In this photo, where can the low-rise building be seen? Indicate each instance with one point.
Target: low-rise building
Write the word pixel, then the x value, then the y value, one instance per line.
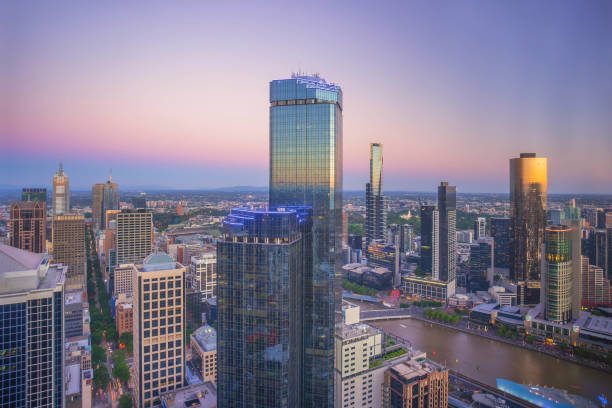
pixel 427 288
pixel 203 395
pixel 78 373
pixel 124 316
pixel 204 347
pixel 413 384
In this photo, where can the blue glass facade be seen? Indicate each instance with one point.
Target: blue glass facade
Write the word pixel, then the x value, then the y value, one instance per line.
pixel 13 355
pixel 260 266
pixel 306 169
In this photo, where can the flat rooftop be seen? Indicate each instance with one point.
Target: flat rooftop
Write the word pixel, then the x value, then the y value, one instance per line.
pixel 599 324
pixel 411 370
pixel 202 395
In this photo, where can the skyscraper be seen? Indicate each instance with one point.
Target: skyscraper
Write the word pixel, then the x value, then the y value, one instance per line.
pixel 480 228
pixel 501 232
pixel 561 273
pixel 28 227
pixel 134 236
pixel 306 169
pixel 69 247
pixel 261 265
pixel 430 240
pixel 375 200
pixel 159 327
pixel 447 203
pixel 61 192
pixel 31 330
pixel 34 194
pixel 104 197
pixel 528 202
pixel 481 264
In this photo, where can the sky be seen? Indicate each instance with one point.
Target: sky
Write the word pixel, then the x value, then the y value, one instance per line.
pixel 175 94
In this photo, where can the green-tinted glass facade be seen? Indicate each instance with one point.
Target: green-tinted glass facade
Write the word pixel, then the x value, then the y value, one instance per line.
pixel 306 169
pixel 558 274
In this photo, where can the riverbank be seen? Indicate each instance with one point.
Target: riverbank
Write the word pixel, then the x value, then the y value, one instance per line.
pixel 522 345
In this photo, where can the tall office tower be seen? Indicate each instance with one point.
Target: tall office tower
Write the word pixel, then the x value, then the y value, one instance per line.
pixel 430 240
pixel 562 266
pixel 34 194
pixel 61 192
pixel 204 269
pixel 104 197
pixel 306 169
pixel 69 248
pixel 596 289
pixel 159 331
pixel 375 200
pixel 480 228
pixel 528 201
pixel 262 260
pixel 555 216
pixel 134 236
pixel 447 203
pixel 571 211
pixel 31 330
pixel 501 232
pixel 481 264
pixel 28 227
pixel 140 201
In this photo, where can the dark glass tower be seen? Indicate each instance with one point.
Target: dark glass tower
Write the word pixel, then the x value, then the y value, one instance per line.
pixel 262 261
pixel 501 232
pixel 375 201
pixel 528 197
pixel 306 170
pixel 447 203
pixel 430 235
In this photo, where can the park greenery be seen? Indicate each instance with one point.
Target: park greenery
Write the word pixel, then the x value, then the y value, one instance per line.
pixel 442 316
pixel 503 331
pixel 357 288
pixel 427 303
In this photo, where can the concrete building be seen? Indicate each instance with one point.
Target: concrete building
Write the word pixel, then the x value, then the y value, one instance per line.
pixel 74 313
pixel 69 248
pixel 34 194
pixel 28 226
pixel 412 384
pixel 204 270
pixel 159 316
pixel 204 352
pixel 202 395
pixel 31 303
pixel 124 280
pixel 134 239
pixel 124 315
pixel 427 288
pixel 78 373
pixel 61 192
pixel 480 228
pixel 596 289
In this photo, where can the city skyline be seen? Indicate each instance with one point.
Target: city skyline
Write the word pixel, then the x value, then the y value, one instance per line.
pixel 444 91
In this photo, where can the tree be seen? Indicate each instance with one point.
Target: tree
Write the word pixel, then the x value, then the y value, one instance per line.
pixel 96 337
pixel 127 340
pixel 121 371
pixel 101 378
pixel 125 401
pixel 97 355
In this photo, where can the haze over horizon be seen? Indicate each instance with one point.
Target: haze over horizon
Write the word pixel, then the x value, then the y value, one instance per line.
pixel 171 96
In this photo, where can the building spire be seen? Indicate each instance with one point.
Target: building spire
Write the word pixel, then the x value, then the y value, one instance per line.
pixel 110 175
pixel 61 167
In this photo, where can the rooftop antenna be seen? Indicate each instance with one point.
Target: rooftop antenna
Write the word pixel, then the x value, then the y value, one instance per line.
pixel 61 167
pixel 110 175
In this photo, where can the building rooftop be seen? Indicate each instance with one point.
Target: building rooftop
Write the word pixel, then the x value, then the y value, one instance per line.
pixel 15 259
pixel 599 324
pixel 411 370
pixel 158 261
pixel 73 379
pixel 74 297
pixel 206 336
pixel 202 395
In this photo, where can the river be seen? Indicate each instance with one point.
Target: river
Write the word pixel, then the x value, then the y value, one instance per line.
pixel 486 360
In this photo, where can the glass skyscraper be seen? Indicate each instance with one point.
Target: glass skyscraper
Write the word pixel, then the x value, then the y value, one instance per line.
pixel 306 170
pixel 375 201
pixel 430 235
pixel 501 232
pixel 263 259
pixel 447 203
pixel 528 202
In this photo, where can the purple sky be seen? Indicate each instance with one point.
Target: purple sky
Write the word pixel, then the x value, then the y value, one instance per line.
pixel 176 96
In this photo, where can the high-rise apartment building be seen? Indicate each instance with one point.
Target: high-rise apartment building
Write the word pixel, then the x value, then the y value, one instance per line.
pixel 528 203
pixel 501 232
pixel 562 266
pixel 306 169
pixel 262 260
pixel 61 192
pixel 480 227
pixel 375 200
pixel 447 203
pixel 31 330
pixel 69 248
pixel 596 289
pixel 104 197
pixel 415 384
pixel 34 194
pixel 159 328
pixel 28 226
pixel 430 244
pixel 134 236
pixel 204 270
